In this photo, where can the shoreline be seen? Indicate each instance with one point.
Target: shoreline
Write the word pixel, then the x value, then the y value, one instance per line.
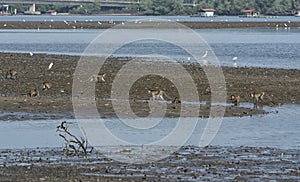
pixel 189 163
pixel 281 86
pixel 130 25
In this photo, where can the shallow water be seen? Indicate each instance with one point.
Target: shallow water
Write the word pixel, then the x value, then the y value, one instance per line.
pixel 255 47
pixel 133 18
pixel 279 129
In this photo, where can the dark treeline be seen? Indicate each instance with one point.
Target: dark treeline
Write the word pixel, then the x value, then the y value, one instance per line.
pixel 266 7
pixel 222 7
pixel 176 7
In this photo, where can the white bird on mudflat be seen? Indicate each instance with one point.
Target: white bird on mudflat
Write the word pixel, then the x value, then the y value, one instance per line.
pixel 234 62
pixel 30 53
pixel 205 54
pixel 50 66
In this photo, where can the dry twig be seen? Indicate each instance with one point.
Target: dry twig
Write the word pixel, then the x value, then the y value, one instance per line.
pixel 79 146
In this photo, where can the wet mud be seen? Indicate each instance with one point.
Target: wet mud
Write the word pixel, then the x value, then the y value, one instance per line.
pixel 280 85
pixel 137 24
pixel 187 164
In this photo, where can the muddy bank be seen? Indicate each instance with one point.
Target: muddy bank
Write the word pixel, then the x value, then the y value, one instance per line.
pixel 280 85
pixel 110 24
pixel 187 164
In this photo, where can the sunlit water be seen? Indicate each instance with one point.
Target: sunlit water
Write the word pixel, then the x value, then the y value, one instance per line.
pixel 133 18
pixel 257 47
pixel 279 129
pixel 254 47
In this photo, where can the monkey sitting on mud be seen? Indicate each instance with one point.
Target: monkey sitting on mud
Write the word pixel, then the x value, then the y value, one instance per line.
pixel 33 93
pixel 235 99
pixel 46 85
pixel 11 74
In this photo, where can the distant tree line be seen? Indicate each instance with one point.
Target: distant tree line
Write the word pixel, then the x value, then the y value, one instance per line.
pixel 266 7
pixel 176 7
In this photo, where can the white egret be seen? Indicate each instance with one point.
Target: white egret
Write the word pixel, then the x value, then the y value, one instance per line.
pixel 50 66
pixel 30 53
pixel 234 61
pixel 205 54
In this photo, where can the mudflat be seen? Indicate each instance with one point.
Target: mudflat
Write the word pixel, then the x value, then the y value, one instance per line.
pixel 187 164
pixel 190 163
pixel 280 85
pixel 136 24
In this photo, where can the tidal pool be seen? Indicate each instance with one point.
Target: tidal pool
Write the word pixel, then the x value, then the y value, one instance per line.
pixel 279 129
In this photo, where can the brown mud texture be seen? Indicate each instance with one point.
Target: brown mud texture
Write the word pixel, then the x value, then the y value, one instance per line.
pixel 137 24
pixel 280 86
pixel 187 164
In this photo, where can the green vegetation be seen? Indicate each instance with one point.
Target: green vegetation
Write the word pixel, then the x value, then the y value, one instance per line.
pixel 162 7
pixel 86 9
pixel 179 7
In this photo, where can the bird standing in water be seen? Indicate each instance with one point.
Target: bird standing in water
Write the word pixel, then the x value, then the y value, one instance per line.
pixel 234 62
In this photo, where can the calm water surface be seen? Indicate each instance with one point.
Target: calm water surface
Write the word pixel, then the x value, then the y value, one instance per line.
pixel 255 47
pixel 280 129
pixel 133 18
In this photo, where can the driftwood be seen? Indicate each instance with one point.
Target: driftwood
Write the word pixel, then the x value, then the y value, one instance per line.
pixel 73 144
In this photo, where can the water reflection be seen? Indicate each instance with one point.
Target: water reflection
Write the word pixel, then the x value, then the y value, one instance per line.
pixel 257 47
pixel 279 129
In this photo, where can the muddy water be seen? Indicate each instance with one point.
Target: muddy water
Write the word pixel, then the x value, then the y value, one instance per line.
pixel 279 129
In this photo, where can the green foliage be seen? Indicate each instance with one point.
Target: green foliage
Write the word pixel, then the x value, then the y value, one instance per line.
pixel 176 7
pixel 162 7
pixel 222 7
pixel 86 9
pixel 19 7
pixel 59 8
